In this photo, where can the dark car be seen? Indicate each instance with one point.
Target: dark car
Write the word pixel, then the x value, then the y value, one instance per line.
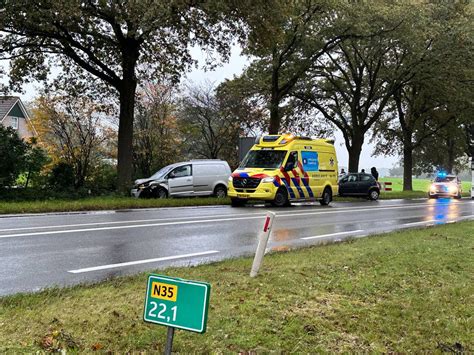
pixel 359 184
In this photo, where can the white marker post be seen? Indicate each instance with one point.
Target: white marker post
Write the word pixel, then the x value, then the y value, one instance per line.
pixel 262 244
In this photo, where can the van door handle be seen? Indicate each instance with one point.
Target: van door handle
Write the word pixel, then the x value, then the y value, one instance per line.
pixel 188 180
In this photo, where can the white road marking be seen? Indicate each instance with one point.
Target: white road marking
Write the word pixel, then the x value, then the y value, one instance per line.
pixel 332 234
pixel 122 227
pixel 138 262
pixel 375 208
pixel 122 222
pixel 418 223
pixel 248 217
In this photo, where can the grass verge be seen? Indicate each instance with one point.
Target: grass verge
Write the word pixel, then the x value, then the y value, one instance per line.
pixel 104 203
pixel 409 291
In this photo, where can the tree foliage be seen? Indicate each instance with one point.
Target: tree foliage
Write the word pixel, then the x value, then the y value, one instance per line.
pixel 12 155
pixel 352 84
pixel 73 131
pixel 119 43
pixel 209 129
pixel 286 38
pixel 156 141
pixel 436 104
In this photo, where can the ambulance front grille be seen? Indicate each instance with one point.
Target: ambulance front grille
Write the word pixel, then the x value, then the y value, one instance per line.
pixel 246 183
pixel 247 191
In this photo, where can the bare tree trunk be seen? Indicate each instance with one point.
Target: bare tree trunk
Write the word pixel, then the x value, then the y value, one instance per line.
pixel 407 167
pixel 125 134
pixel 354 154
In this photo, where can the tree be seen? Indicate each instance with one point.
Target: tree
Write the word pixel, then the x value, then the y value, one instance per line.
pixel 156 142
pixel 209 130
pixel 73 131
pixel 438 96
pixel 119 43
pixel 12 155
pixel 35 159
pixel 287 38
pixel 448 157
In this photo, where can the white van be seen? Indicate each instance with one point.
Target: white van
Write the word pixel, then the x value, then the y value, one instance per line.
pixel 192 178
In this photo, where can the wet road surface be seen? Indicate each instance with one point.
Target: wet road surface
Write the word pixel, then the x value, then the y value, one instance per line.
pixel 38 251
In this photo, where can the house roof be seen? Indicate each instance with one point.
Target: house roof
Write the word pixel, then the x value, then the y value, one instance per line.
pixel 6 104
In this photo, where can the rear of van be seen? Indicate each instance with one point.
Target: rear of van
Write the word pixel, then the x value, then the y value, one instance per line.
pixel 210 177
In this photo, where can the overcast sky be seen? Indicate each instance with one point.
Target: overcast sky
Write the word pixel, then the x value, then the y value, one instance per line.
pixel 235 66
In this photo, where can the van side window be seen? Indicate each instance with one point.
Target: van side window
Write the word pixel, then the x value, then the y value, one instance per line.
pixel 181 171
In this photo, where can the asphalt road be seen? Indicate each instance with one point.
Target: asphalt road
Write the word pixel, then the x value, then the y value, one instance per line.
pixel 38 251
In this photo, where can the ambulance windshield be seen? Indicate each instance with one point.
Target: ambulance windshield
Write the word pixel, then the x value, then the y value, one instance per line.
pixel 265 159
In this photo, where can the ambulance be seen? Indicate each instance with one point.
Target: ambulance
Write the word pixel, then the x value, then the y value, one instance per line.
pixel 286 168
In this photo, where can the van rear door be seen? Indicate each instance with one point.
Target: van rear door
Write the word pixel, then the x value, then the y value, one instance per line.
pixel 203 177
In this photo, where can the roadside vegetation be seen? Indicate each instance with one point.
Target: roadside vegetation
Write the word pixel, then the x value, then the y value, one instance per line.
pixel 408 291
pixel 103 203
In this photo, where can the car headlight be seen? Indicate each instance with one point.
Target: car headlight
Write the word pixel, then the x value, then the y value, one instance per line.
pixel 453 189
pixel 268 179
pixel 433 188
pixel 230 178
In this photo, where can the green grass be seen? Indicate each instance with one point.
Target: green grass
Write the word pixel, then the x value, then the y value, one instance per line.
pixel 104 203
pixel 422 185
pixel 410 291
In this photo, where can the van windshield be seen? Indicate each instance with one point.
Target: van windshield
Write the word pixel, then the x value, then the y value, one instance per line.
pixel 265 159
pixel 161 172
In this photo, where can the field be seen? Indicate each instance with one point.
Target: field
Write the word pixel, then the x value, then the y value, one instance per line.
pixel 422 184
pixel 409 291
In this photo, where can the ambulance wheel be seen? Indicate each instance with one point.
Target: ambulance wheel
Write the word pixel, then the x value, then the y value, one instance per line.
pixel 237 202
pixel 327 197
pixel 281 198
pixel 220 191
pixel 458 196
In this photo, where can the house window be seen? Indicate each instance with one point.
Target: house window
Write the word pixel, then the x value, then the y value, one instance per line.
pixel 14 122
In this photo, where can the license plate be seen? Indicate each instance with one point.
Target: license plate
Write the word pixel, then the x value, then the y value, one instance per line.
pixel 243 195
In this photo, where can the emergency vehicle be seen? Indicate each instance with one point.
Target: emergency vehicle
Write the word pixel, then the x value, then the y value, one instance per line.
pixel 445 185
pixel 284 168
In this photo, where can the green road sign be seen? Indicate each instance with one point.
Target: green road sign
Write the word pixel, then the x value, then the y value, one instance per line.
pixel 177 303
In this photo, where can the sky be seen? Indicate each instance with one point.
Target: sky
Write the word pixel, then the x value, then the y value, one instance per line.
pixel 235 66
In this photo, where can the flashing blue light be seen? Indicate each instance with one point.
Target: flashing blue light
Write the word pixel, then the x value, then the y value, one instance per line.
pixel 442 174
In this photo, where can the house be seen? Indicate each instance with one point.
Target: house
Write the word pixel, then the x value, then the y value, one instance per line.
pixel 14 114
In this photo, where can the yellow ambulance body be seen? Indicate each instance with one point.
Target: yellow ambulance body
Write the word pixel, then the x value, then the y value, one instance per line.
pixel 284 168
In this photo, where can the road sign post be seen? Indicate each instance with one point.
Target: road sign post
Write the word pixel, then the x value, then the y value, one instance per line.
pixel 262 244
pixel 176 303
pixel 169 341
